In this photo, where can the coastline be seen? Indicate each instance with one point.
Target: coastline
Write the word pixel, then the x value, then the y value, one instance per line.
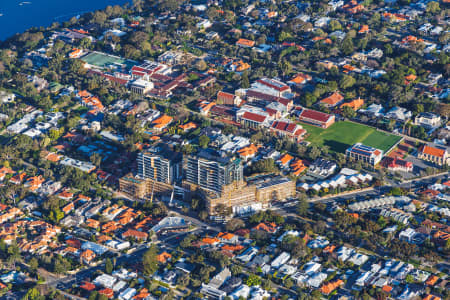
pixel 18 16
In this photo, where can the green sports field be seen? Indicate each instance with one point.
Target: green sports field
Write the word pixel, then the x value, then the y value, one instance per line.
pixel 103 60
pixel 341 135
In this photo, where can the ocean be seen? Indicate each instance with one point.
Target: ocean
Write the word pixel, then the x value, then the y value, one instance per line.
pixel 17 15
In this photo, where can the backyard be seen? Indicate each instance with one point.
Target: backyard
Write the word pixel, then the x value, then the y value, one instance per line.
pixel 341 135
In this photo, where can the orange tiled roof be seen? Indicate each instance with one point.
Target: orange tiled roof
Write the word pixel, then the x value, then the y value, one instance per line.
pixel 143 294
pixel 88 286
pixel 437 152
pixel 354 104
pixel 387 288
pixel 5 170
pixel 53 157
pixel 187 126
pixel 411 77
pixel 210 241
pixel 286 158
pixel 136 234
pixel 363 29
pixel 206 106
pixel 431 297
pixel 329 287
pixel 163 257
pixel 18 178
pixel 329 248
pixel 232 248
pixel 35 182
pixel 249 150
pixel 162 121
pixel 65 195
pixel 92 223
pixel 88 255
pixel 333 99
pixel 298 166
pixel 107 292
pixel 432 280
pixel 103 238
pixel 225 235
pixel 269 227
pixel 245 42
pixel 68 207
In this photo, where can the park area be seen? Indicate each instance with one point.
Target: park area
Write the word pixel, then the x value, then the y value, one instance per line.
pixel 341 135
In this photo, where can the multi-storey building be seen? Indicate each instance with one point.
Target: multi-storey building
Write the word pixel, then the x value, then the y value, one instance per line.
pixel 364 153
pixel 210 171
pixel 160 164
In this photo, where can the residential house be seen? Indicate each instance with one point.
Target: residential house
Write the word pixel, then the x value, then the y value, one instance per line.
pixel 428 120
pixel 5 171
pixel 161 123
pixel 399 114
pixel 375 110
pixel 248 152
pixel 284 160
pixel 322 168
pixel 137 235
pixel 18 179
pixel 355 104
pixel 87 256
pixel 298 166
pixel 245 43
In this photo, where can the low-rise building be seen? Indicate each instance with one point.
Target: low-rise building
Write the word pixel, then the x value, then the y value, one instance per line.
pixel 316 118
pixel 438 155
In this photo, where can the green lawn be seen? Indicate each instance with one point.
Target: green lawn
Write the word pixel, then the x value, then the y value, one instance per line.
pixel 341 135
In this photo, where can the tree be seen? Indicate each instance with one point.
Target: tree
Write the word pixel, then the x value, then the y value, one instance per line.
pixel 203 141
pixel 302 206
pixel 245 83
pixel 348 112
pixel 31 294
pixel 346 82
pixel 347 46
pixel 235 224
pixel 33 265
pixel 433 7
pixel 108 266
pixel 99 17
pixel 150 260
pixel 201 65
pixel 285 67
pixel 253 280
pixel 13 254
pixel 288 283
pixel 334 25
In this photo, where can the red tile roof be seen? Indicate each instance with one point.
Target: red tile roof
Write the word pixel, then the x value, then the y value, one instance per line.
pixel 253 117
pixel 315 115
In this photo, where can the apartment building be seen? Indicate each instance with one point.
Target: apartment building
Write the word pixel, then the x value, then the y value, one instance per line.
pixel 160 164
pixel 210 171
